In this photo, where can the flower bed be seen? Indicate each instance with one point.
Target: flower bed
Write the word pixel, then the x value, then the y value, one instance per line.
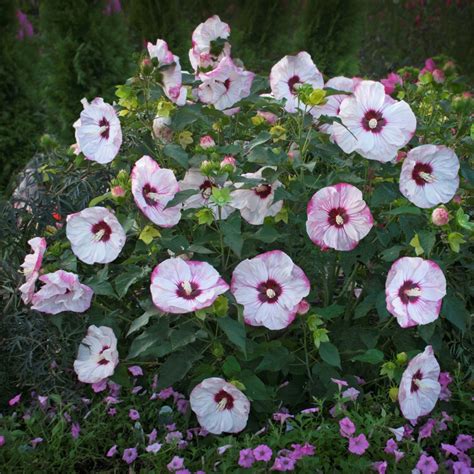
pixel 298 255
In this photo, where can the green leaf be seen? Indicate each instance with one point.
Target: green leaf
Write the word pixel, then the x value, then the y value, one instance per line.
pixel 260 139
pixel 128 278
pixel 176 367
pixel 455 312
pixel 182 337
pixel 391 254
pixel 255 389
pixel 103 288
pixel 463 220
pixel 99 199
pixel 426 331
pixel 415 211
pixel 235 332
pixel 384 193
pixel 275 359
pixel 181 196
pixel 455 239
pixel 231 367
pixel 267 233
pixel 154 336
pixel 372 356
pixel 330 354
pixel 148 234
pixel 365 306
pixel 232 235
pixel 331 311
pixel 427 241
pixel 177 153
pixel 142 320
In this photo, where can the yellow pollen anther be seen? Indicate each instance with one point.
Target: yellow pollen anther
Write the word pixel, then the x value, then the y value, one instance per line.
pixel 429 178
pixel 339 220
pixel 187 287
pixel 413 292
pixel 222 404
pixel 270 293
pixel 153 196
pixel 98 235
pixel 373 123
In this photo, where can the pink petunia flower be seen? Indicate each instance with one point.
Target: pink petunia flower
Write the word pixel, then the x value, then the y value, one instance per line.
pixel 358 445
pixel 429 175
pixel 427 464
pixel 282 416
pixel 129 455
pixel 339 383
pixel 112 451
pixel 225 85
pixel 262 453
pixel 31 267
pixel 135 370
pixel 246 458
pixel 283 464
pixel 300 451
pixel 203 54
pixel 291 72
pixel 99 386
pixel 373 124
pixel 97 356
pixel 95 234
pixel 75 430
pixel 380 467
pixel 338 217
pixel 351 393
pixel 219 406
pixel 62 291
pixel 2 440
pixel 34 442
pixel 25 28
pixel 153 188
pixel 179 286
pixel 346 427
pixel 414 291
pixel 419 388
pixel 133 414
pixel 333 102
pixel 194 179
pixel 257 202
pixel 270 287
pixel 153 448
pixel 98 131
pixel 175 464
pixel 449 449
pixel 15 400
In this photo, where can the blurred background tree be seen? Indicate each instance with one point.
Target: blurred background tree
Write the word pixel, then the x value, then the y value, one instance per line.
pixel 83 48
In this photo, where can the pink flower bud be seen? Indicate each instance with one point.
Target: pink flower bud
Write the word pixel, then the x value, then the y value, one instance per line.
pixel 430 64
pixel 303 307
pixel 440 216
pixel 438 76
pixel 117 191
pixel 270 117
pixel 401 155
pixel 457 199
pixel 207 142
pixel 228 161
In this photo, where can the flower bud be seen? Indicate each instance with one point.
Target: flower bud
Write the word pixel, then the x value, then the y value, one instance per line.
pixel 146 66
pixel 269 117
pixel 440 216
pixel 207 167
pixel 228 164
pixel 401 155
pixel 207 142
pixel 402 358
pixel 457 199
pixel 302 307
pixel 393 394
pixel 117 192
pixel 438 76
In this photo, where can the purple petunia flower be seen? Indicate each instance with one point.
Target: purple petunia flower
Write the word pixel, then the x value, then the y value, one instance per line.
pixel 262 453
pixel 133 414
pixel 427 464
pixel 36 441
pixel 283 464
pixel 135 370
pixel 380 467
pixel 246 458
pixel 129 455
pixel 112 451
pixel 175 464
pixel 153 448
pixel 346 427
pixel 358 445
pixel 15 400
pixel 75 430
pixel 464 442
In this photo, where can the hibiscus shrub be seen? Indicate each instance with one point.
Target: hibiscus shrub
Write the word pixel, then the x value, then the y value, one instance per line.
pixel 254 247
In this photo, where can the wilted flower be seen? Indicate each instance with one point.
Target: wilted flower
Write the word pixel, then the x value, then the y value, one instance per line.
pixel 62 291
pixel 219 406
pixel 225 85
pixel 419 387
pixel 270 287
pixel 98 131
pixel 291 72
pixel 338 217
pixel 414 291
pixel 153 188
pixel 31 267
pixel 95 234
pixel 373 124
pixel 97 356
pixel 161 129
pixel 429 175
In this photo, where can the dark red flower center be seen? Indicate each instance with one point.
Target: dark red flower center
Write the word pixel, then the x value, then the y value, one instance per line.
pixel 227 84
pixel 263 190
pixel 188 290
pixel 102 231
pixel 418 375
pixel 409 292
pixel 224 399
pixel 269 291
pixel 104 348
pixel 422 173
pixel 105 128
pixel 146 191
pixel 206 188
pixel 103 362
pixel 373 121
pixel 338 217
pixel 292 83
